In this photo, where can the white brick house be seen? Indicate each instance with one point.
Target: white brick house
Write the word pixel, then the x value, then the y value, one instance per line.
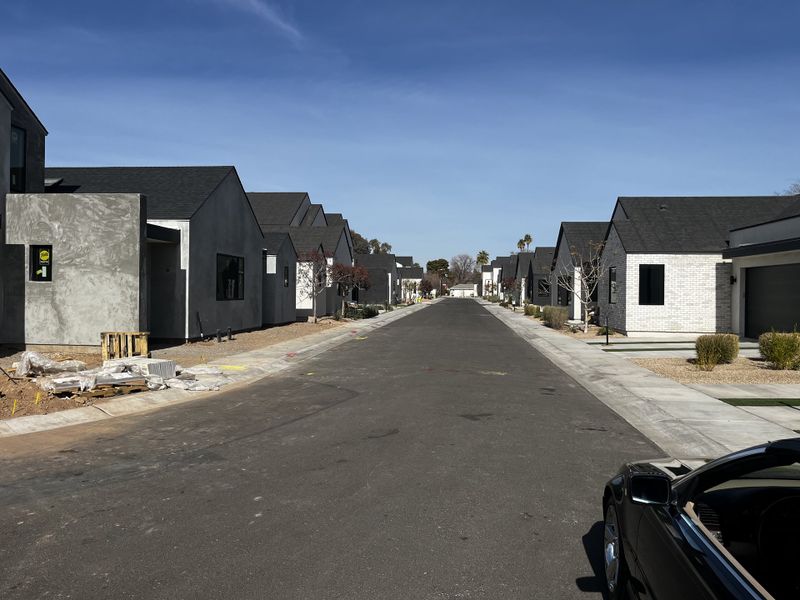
pixel 665 270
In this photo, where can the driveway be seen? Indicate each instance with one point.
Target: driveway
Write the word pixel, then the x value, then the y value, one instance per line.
pixel 439 457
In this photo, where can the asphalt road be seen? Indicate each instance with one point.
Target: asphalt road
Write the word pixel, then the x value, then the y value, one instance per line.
pixel 441 457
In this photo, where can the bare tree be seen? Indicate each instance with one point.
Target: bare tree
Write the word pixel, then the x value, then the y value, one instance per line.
pixel 462 268
pixel 312 276
pixel 348 278
pixel 582 275
pixel 792 190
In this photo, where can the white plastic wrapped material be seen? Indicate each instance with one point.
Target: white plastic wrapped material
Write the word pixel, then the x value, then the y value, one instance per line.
pixel 81 381
pixel 202 370
pixel 33 363
pixel 195 385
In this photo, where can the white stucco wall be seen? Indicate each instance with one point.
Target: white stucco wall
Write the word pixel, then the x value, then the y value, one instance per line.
pixel 739 271
pixel 564 267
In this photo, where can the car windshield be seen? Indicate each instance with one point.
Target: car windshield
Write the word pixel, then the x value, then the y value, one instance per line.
pixel 786 472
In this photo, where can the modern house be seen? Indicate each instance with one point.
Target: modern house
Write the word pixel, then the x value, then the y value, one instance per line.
pixel 666 268
pixel 487 281
pixel 502 268
pixel 464 290
pixel 384 277
pixel 577 242
pixel 766 274
pixel 204 249
pixel 541 276
pixel 312 232
pixel 411 278
pixel 280 274
pixel 524 278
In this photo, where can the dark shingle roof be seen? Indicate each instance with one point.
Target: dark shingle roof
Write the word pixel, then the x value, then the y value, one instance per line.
pixel 524 260
pixel 307 239
pixel 276 208
pixel 410 272
pixel 311 214
pixel 406 261
pixel 275 241
pixel 691 224
pixel 172 192
pixel 543 259
pixel 379 261
pixel 334 218
pixel 581 235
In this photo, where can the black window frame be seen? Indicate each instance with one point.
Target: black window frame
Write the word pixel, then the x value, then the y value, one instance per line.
pixel 18 173
pixel 238 289
pixel 285 276
pixel 651 284
pixel 613 288
pixel 37 265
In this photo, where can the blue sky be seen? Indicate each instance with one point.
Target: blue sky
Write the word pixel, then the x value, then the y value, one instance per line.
pixel 439 126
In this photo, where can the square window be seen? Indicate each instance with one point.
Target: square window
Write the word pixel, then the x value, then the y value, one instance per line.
pixel 41 263
pixel 230 277
pixel 543 288
pixel 651 285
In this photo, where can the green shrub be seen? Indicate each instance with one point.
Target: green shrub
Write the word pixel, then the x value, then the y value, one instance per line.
pixel 532 310
pixel 493 298
pixel 368 312
pixel 554 316
pixel 712 350
pixel 603 330
pixel 780 350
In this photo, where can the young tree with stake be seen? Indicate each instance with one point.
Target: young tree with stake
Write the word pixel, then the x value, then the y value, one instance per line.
pixel 312 276
pixel 582 275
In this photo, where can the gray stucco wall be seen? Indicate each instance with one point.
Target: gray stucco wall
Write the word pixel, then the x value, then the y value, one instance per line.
pixel 98 267
pixel 279 301
pixel 224 224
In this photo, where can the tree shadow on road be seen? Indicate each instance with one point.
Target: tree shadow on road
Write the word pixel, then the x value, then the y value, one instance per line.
pixel 593 546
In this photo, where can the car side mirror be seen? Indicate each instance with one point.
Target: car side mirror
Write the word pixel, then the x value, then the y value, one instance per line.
pixel 650 489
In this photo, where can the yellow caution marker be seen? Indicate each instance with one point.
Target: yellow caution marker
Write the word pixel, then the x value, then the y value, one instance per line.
pixel 232 367
pixel 38 398
pixel 361 337
pixel 14 408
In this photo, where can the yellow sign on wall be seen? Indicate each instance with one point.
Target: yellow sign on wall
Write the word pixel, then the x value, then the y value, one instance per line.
pixel 44 256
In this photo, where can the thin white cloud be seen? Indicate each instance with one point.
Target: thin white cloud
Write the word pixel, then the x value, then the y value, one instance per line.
pixel 268 13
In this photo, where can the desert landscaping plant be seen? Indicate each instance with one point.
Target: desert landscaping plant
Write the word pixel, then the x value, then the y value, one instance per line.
pixel 532 310
pixel 554 316
pixel 719 348
pixel 780 350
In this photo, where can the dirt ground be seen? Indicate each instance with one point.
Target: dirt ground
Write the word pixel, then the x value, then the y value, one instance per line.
pixel 742 371
pixel 580 335
pixel 31 400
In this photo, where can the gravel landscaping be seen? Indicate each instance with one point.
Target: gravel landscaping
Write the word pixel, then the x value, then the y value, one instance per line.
pixel 741 371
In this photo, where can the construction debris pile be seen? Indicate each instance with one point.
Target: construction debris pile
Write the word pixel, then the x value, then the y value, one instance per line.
pixel 118 376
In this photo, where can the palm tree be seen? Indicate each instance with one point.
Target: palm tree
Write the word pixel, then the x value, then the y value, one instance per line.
pixel 527 239
pixel 521 245
pixel 483 258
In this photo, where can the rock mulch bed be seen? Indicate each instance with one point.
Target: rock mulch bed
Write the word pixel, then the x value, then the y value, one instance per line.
pixel 743 371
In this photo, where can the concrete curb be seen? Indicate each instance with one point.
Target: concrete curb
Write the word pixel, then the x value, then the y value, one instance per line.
pixel 680 420
pixel 242 369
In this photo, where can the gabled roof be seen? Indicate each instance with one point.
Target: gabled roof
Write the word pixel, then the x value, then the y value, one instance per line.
pixel 172 192
pixel 274 241
pixel 377 261
pixel 524 260
pixel 410 272
pixel 691 224
pixel 276 208
pixel 307 239
pixel 335 218
pixel 406 261
pixel 486 268
pixel 581 235
pixel 543 259
pixel 311 214
pixel 12 95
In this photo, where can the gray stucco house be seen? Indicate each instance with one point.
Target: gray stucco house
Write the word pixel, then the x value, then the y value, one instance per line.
pixel 577 240
pixel 384 277
pixel 311 230
pixel 667 272
pixel 765 263
pixel 204 261
pixel 541 276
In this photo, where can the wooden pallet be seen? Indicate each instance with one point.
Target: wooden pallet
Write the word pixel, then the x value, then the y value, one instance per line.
pixel 124 344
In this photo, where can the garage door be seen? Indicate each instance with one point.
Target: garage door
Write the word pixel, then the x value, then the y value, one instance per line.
pixel 772 299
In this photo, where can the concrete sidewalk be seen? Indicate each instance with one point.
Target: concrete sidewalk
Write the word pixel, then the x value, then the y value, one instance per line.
pixel 239 369
pixel 684 422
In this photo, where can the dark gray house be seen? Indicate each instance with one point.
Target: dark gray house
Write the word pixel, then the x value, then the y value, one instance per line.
pixel 524 276
pixel 311 230
pixel 280 272
pixel 541 276
pixel 667 269
pixel 204 260
pixel 577 240
pixel 384 277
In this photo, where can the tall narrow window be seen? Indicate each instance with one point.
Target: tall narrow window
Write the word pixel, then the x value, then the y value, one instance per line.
pixel 17 160
pixel 230 277
pixel 285 276
pixel 651 284
pixel 270 264
pixel 41 263
pixel 612 285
